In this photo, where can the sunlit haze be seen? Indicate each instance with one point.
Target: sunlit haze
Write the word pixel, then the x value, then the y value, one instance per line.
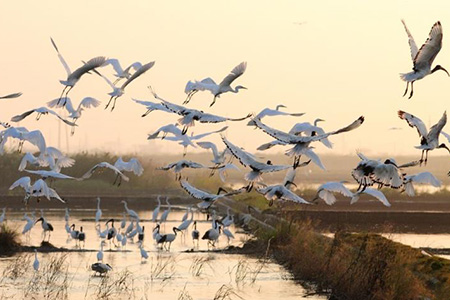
pixel 334 60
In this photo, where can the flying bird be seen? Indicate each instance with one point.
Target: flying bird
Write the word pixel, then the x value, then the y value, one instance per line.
pixel 207 198
pixel 74 77
pixel 120 72
pixel 133 165
pixel 209 84
pixel 40 111
pixel 423 58
pixel 420 178
pixel 429 140
pixel 179 166
pixel 105 165
pixel 269 112
pixel 11 96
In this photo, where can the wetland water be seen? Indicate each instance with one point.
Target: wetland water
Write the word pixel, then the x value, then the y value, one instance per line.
pixel 167 275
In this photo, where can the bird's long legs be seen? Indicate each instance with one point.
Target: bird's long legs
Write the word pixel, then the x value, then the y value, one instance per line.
pixel 62 93
pixel 214 101
pixel 109 102
pixel 406 90
pixel 412 90
pixel 72 131
pixel 189 96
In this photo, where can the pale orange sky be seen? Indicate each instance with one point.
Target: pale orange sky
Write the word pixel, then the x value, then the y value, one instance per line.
pixel 342 62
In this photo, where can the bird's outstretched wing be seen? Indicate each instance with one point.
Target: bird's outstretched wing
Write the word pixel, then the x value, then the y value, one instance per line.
pixel 10 96
pixel 194 192
pixel 414 121
pixel 138 73
pixel 209 118
pixel 436 129
pixel 412 43
pixel 114 62
pixel 235 73
pixel 374 193
pixel 23 182
pixel 89 102
pixel 202 135
pixel 427 53
pixel 90 65
pixel 61 58
pixel 107 165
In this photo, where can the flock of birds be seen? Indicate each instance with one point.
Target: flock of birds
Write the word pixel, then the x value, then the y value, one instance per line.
pixel 300 139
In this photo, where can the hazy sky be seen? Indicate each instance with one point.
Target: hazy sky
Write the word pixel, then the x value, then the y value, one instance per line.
pixel 335 60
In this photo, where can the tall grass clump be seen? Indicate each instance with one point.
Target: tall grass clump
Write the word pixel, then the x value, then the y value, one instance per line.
pixel 9 239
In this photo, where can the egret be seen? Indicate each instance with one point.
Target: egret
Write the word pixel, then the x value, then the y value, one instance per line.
pixel 186 214
pixel 156 210
pixel 34 137
pixel 228 234
pixel 223 170
pixel 326 190
pixel 151 106
pixel 429 140
pixel 214 88
pixel 74 77
pixel 36 261
pixel 129 228
pixel 228 219
pixel 120 72
pixel 268 112
pixel 106 165
pixel 180 165
pixel 123 223
pixel 144 254
pixel 119 91
pixel 98 213
pixel 130 212
pixel 74 114
pixel 133 165
pixel 100 252
pixel 165 214
pixel 372 192
pixel 186 223
pixel 420 178
pixel 29 225
pixel 67 216
pixel 11 96
pixel 423 57
pixel 40 111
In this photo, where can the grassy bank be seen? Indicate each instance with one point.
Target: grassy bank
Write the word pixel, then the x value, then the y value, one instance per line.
pixel 356 266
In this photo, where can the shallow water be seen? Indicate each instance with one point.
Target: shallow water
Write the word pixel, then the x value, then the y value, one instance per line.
pixel 165 274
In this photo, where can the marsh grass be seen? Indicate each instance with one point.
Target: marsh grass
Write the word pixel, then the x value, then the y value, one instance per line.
pixel 226 292
pixel 197 267
pixel 51 281
pixel 9 239
pixel 184 294
pixel 162 268
pixel 17 267
pixel 117 286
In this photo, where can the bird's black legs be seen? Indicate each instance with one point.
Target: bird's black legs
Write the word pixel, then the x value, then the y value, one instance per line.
pixel 406 90
pixel 412 90
pixel 115 180
pixel 60 97
pixel 185 128
pixel 109 102
pixel 214 101
pixel 189 96
pixel 421 158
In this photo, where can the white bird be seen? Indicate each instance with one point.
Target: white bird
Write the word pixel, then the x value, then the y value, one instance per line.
pixel 46 227
pixel 179 166
pixel 130 212
pixel 41 111
pixel 282 191
pixel 182 139
pixel 420 178
pixel 269 112
pixel 165 214
pixel 228 219
pixel 129 228
pixel 124 241
pixel 423 58
pixel 207 198
pixel 119 91
pixel 258 168
pixel 186 223
pixel 67 216
pixel 429 140
pixel 223 170
pixel 106 165
pixel 326 190
pixel 120 72
pixel 189 116
pixel 74 77
pixel 36 261
pixel 29 225
pixel 214 88
pixel 218 157
pixel 74 114
pixel 101 268
pixel 11 96
pixel 38 189
pixel 302 143
pixel 186 214
pixel 309 129
pixel 144 254
pixel 228 234
pixel 156 210
pixel 151 106
pixel 98 213
pixel 100 252
pixel 34 137
pixel 372 192
pixel 133 165
pixel 2 216
pixel 54 159
pixel 49 174
pixel 123 223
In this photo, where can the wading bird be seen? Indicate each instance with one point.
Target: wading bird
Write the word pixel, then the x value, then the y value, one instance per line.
pixel 106 165
pixel 423 57
pixel 98 213
pixel 130 212
pixel 212 235
pixel 101 268
pixel 156 210
pixel 169 238
pixel 74 77
pixel 195 234
pixel 429 140
pixel 36 261
pixel 46 227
